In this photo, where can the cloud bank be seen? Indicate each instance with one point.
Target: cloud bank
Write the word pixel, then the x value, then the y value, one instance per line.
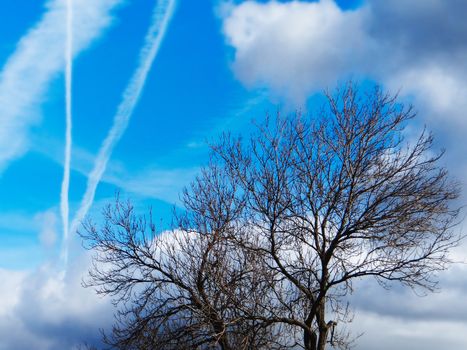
pixel 297 48
pixel 45 310
pixel 400 319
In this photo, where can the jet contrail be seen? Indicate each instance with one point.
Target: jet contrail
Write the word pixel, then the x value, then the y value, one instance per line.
pixel 37 58
pixel 64 203
pixel 161 17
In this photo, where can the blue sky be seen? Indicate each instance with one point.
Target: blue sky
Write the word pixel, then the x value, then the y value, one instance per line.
pixel 220 65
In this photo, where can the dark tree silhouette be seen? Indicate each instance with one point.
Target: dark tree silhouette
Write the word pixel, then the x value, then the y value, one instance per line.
pixel 277 229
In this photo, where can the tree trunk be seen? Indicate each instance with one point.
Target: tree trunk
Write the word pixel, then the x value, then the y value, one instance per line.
pixel 310 340
pixel 322 326
pixel 323 336
pixel 224 342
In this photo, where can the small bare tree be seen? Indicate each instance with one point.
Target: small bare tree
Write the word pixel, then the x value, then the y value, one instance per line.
pixel 180 289
pixel 277 229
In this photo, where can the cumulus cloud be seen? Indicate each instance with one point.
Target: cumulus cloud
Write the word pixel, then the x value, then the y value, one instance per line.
pixel 294 48
pixel 297 48
pixel 37 59
pixel 417 48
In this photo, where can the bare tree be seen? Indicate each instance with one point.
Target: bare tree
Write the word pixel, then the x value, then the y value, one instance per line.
pixel 278 228
pixel 340 197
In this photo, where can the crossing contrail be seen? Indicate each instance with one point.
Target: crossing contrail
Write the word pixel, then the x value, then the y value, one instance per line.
pixel 161 17
pixel 64 202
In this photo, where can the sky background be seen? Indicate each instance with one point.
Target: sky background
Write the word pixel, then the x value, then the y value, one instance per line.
pixel 220 65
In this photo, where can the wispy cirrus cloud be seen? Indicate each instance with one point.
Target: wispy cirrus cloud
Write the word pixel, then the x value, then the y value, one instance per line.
pixel 163 184
pixel 150 181
pixel 36 61
pixel 27 237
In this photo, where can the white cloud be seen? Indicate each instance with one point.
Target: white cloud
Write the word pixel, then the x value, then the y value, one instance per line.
pixel 445 305
pixel 297 48
pixel 10 290
pixel 38 58
pixel 294 48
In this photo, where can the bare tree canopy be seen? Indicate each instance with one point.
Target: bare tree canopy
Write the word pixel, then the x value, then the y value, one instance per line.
pixel 276 230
